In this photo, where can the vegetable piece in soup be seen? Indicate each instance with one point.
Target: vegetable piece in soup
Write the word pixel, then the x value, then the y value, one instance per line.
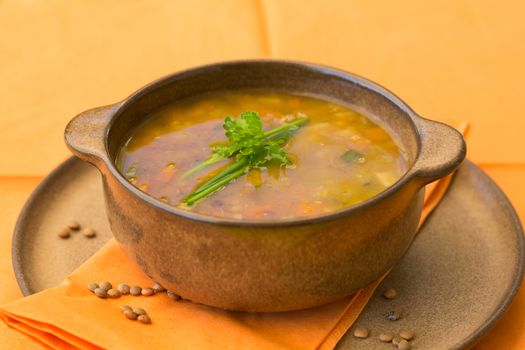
pixel 330 157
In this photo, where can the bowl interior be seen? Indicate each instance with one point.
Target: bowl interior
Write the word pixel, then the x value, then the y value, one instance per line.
pixel 368 98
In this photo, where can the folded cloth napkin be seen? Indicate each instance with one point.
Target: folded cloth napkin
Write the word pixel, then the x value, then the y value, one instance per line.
pixel 71 317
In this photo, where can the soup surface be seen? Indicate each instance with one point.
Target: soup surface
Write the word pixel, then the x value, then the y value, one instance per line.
pixel 338 158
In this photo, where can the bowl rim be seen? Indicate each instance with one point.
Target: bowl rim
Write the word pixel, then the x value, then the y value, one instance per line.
pixel 407 177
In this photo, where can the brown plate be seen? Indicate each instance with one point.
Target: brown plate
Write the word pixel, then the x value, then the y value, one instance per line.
pixel 457 279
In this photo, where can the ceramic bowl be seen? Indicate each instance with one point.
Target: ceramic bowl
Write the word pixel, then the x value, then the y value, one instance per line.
pixel 272 265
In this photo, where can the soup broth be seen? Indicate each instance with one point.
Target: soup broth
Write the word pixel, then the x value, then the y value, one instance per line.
pixel 339 158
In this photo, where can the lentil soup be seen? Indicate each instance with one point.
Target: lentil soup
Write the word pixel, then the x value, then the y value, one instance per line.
pixel 338 158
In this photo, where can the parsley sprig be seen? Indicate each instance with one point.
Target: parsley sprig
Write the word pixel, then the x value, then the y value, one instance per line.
pixel 250 145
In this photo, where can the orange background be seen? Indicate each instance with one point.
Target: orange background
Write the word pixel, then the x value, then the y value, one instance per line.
pixel 450 60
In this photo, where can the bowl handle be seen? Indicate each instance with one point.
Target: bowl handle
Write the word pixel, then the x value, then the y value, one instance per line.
pixel 85 135
pixel 442 150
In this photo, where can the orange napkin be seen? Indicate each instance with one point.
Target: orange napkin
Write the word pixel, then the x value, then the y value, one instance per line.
pixel 71 317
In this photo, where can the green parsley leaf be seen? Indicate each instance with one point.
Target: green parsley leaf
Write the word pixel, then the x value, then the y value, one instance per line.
pixel 351 156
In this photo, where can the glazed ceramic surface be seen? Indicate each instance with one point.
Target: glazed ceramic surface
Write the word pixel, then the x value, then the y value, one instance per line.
pixel 462 270
pixel 266 266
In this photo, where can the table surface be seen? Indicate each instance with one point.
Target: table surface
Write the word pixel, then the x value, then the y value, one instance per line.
pixel 450 60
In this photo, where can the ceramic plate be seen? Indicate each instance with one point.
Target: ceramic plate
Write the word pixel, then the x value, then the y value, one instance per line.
pixel 457 279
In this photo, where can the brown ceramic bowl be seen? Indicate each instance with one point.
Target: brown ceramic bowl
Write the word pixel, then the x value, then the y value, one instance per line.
pixel 272 265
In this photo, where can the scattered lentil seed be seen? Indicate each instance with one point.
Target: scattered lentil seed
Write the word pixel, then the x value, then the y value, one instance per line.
pixel 92 286
pixel 64 233
pixel 123 288
pixel 386 337
pixel 144 319
pixel 403 345
pixel 89 232
pixel 392 316
pixel 135 290
pixel 173 296
pixel 105 285
pixel 390 293
pixel 396 340
pixel 158 288
pixel 125 307
pixel 101 293
pixel 114 293
pixel 407 334
pixel 147 291
pixel 139 311
pixel 130 314
pixel 361 332
pixel 74 225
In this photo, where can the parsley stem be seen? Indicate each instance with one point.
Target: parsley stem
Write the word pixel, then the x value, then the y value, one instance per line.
pixel 214 187
pixel 231 169
pixel 285 127
pixel 215 158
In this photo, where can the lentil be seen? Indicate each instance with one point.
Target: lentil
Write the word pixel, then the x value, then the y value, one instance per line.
pixel 392 316
pixel 89 232
pixel 105 285
pixel 144 319
pixel 101 293
pixel 390 293
pixel 139 311
pixel 92 286
pixel 114 293
pixel 73 225
pixel 361 332
pixel 125 307
pixel 173 296
pixel 158 288
pixel 64 233
pixel 386 337
pixel 123 288
pixel 407 334
pixel 130 314
pixel 403 345
pixel 135 290
pixel 147 292
pixel 396 340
